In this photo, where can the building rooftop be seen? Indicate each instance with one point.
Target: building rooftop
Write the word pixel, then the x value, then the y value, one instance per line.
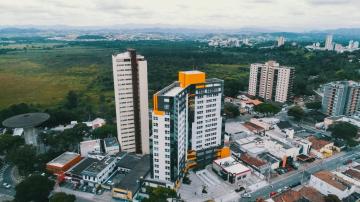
pixel 333 180
pixel 288 196
pixel 173 91
pixel 269 157
pixel 63 159
pixel 111 142
pixel 284 124
pixel 26 120
pixel 352 174
pixel 316 143
pixel 129 161
pixel 231 166
pixel 140 170
pixel 253 127
pixel 252 160
pixel 311 194
pixel 98 166
pixel 81 166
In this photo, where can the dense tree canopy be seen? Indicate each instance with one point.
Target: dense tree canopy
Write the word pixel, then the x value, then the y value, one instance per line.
pixel 159 194
pixel 297 112
pixel 331 198
pixel 62 197
pixel 267 108
pixel 23 157
pixel 9 142
pixel 343 130
pixel 108 130
pixel 314 105
pixel 34 188
pixel 231 110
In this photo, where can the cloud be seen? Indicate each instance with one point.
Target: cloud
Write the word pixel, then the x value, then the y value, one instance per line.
pixel 299 14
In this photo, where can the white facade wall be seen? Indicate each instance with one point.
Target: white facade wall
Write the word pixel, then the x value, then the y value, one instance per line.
pixel 327 189
pixel 124 104
pixel 282 84
pixel 206 129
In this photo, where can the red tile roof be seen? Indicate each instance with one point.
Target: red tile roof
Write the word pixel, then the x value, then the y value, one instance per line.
pixel 311 194
pixel 317 144
pixel 333 180
pixel 288 196
pixel 252 160
pixel 353 173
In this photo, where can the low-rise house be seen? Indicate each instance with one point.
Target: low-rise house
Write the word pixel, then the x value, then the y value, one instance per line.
pixel 230 169
pixel 328 183
pixel 322 148
pixel 254 163
pixel 311 194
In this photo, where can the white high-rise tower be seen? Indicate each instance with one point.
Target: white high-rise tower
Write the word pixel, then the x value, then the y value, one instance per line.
pixel 328 43
pixel 131 101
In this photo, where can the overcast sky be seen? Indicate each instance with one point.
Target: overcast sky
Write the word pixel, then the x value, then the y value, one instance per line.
pixel 278 14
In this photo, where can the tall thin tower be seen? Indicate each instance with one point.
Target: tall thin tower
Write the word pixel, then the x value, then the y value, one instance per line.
pixel 131 101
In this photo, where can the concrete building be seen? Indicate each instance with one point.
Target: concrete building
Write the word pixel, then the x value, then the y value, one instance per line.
pixel 281 41
pixel 111 145
pixel 341 98
pixel 99 171
pixel 230 169
pixel 329 45
pixel 90 146
pixel 328 183
pixel 187 125
pixel 131 101
pixel 63 162
pixel 271 81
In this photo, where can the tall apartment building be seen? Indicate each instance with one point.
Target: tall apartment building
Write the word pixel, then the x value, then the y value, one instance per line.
pixel 271 81
pixel 188 127
pixel 281 41
pixel 341 98
pixel 131 101
pixel 329 43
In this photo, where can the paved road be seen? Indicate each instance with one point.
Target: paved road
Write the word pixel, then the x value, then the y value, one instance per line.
pixel 304 173
pixel 6 178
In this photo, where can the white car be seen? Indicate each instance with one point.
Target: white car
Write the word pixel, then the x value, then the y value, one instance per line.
pixel 246 195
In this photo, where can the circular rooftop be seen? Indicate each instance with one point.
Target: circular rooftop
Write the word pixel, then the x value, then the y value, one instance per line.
pixel 26 120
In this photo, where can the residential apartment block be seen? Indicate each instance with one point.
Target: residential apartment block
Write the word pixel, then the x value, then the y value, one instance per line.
pixel 188 127
pixel 341 98
pixel 131 101
pixel 271 81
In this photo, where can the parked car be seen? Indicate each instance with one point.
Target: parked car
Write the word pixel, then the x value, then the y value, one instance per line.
pixel 348 162
pixel 273 193
pixel 246 195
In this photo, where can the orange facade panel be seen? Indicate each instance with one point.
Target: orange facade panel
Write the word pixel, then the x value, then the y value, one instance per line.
pixel 156 109
pixel 191 77
pixel 59 168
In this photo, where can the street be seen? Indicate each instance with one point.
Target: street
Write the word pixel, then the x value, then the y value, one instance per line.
pixel 303 174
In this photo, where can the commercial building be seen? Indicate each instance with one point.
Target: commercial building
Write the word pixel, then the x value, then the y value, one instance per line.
pixel 271 81
pixel 63 162
pixel 99 171
pixel 322 148
pixel 328 183
pixel 187 125
pixel 131 101
pixel 341 98
pixel 137 168
pixel 230 169
pixel 111 145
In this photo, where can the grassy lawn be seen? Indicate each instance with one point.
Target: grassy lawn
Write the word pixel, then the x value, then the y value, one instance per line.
pixel 30 77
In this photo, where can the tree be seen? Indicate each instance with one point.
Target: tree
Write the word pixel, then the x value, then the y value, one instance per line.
pixel 8 142
pixel 331 198
pixel 313 105
pixel 72 100
pixel 343 130
pixel 297 112
pixel 267 108
pixel 159 194
pixel 34 188
pixel 62 197
pixel 23 157
pixel 108 130
pixel 231 110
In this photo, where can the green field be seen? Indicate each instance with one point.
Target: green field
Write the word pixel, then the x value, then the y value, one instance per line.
pixel 43 77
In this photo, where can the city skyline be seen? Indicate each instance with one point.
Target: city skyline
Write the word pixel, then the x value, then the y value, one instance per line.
pixel 290 16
